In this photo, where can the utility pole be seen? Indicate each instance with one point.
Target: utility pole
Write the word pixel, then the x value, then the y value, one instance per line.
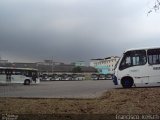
pixel 52 64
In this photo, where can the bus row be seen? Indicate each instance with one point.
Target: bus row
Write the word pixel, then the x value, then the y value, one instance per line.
pixel 28 76
pixel 50 77
pixel 101 76
pixel 46 77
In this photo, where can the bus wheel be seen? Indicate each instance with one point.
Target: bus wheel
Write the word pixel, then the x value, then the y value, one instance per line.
pixel 127 82
pixel 27 82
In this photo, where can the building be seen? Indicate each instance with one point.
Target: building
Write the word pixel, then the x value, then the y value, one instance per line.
pixel 4 63
pixel 106 65
pixel 49 66
pixel 49 62
pixel 24 65
pixel 93 61
pixel 80 63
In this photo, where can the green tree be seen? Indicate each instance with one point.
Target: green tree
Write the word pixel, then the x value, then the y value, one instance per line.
pixel 77 69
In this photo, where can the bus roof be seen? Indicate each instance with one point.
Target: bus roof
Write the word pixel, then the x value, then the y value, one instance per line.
pixel 18 68
pixel 142 48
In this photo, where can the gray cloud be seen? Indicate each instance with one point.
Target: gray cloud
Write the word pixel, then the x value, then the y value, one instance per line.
pixel 72 30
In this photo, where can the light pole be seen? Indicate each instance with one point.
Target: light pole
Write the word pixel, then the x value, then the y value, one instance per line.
pixel 52 64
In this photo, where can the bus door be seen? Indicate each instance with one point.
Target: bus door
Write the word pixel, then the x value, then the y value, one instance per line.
pixel 154 65
pixel 8 76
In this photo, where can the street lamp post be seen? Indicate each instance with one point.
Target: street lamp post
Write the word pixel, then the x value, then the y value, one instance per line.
pixel 52 64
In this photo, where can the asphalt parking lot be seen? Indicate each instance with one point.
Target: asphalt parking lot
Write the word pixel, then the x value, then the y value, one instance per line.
pixel 58 89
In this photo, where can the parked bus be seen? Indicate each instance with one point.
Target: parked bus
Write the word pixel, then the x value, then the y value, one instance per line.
pixel 18 75
pixel 141 65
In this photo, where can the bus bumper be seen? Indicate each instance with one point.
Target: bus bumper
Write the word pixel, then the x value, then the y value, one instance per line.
pixel 115 81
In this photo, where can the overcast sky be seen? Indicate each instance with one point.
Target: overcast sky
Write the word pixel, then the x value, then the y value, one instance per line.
pixel 71 30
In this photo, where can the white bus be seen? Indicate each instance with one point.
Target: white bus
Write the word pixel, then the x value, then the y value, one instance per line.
pixel 141 65
pixel 25 76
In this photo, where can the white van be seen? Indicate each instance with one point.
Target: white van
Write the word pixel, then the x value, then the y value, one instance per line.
pixel 140 65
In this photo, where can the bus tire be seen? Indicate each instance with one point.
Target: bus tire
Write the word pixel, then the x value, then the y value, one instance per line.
pixel 27 82
pixel 127 82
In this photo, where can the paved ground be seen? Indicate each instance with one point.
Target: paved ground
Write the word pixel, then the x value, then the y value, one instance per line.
pixel 58 89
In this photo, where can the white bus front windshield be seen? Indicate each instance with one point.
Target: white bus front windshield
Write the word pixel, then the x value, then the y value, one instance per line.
pixel 116 64
pixel 133 58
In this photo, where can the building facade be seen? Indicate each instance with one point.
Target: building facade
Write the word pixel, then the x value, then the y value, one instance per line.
pixel 106 65
pixel 93 61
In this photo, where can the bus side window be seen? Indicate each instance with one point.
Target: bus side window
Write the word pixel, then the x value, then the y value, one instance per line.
pixel 2 71
pixel 157 61
pixel 153 56
pixel 13 72
pixel 139 60
pixel 17 72
pixel 142 60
